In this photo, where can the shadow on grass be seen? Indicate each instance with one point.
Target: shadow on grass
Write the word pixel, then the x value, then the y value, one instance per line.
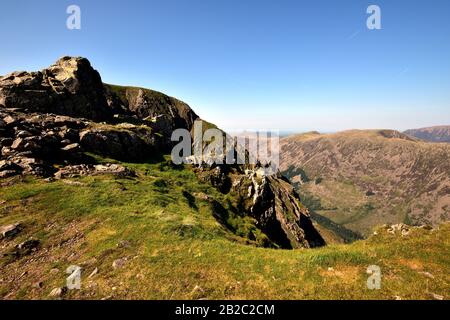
pixel 190 199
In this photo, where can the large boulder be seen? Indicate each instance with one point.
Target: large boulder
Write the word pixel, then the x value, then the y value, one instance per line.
pixel 69 87
pixel 32 143
pixel 92 170
pixel 129 143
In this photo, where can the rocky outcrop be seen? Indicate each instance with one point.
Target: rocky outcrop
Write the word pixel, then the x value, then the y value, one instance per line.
pixel 92 170
pixel 270 200
pixel 123 142
pixel 400 229
pixel 69 87
pixel 278 210
pixel 163 113
pixel 34 143
pixel 151 105
pixel 10 230
pixel 49 123
pixel 73 88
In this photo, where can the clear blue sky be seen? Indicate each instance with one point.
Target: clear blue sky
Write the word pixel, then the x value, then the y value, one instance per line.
pixel 289 65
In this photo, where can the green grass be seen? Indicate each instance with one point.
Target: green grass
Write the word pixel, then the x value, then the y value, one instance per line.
pixel 175 244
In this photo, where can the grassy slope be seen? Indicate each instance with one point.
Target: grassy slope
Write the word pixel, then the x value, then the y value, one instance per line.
pixel 177 250
pixel 121 91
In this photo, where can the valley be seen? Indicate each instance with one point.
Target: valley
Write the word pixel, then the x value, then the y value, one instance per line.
pixel 364 178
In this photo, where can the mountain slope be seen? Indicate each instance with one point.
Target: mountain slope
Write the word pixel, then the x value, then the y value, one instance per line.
pixel 361 179
pixel 153 237
pixel 91 187
pixel 432 134
pixel 76 118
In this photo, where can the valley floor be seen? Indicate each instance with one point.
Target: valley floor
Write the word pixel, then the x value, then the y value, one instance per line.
pixel 154 237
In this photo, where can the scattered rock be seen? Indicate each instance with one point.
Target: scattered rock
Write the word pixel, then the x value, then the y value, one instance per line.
pixel 119 263
pixel 201 195
pixel 74 147
pixel 401 227
pixel 18 144
pixel 198 292
pixel 58 292
pixel 28 245
pixel 8 173
pixel 9 120
pixel 427 274
pixel 85 170
pixel 23 249
pixel 114 169
pixel 54 271
pixel 23 134
pixel 10 231
pixel 6 165
pixel 66 142
pixel 124 244
pixel 436 296
pixel 93 273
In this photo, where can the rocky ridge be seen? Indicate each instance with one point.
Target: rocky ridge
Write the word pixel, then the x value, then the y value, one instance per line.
pixel 53 121
pixel 270 200
pixel 432 134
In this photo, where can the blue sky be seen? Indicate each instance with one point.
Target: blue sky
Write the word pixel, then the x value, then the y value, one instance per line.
pixel 255 64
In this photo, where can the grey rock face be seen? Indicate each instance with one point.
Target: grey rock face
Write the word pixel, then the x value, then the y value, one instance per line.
pixel 271 201
pixel 128 145
pixel 9 231
pixel 69 87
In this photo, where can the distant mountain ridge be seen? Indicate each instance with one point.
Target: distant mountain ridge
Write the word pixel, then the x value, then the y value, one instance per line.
pixel 364 178
pixel 432 134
